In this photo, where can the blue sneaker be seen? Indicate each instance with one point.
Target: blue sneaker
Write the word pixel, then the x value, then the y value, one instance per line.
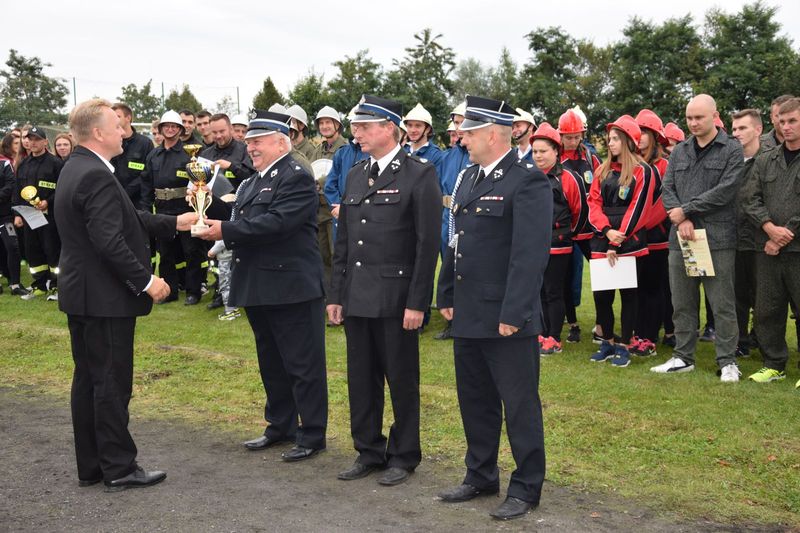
pixel 622 356
pixel 605 353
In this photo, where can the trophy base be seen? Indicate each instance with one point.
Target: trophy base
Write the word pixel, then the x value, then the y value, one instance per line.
pixel 198 229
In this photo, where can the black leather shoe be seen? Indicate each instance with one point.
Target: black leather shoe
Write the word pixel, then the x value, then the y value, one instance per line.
pixel 135 480
pixel 357 471
pixel 191 299
pixel 446 333
pixel 394 476
pixel 215 303
pixel 512 508
pixel 89 482
pixel 299 453
pixel 262 443
pixel 466 492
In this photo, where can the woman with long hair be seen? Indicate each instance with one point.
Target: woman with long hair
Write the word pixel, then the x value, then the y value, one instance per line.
pixel 570 211
pixel 9 149
pixel 619 200
pixel 63 145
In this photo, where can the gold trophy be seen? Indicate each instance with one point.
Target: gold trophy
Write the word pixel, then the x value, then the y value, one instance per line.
pixel 29 194
pixel 199 174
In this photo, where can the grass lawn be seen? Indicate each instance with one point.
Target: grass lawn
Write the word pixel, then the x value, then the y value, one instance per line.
pixel 684 443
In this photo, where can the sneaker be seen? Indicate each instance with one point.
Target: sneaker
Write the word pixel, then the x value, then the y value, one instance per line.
pixel 645 348
pixel 765 375
pixel 605 353
pixel 730 373
pixel 230 315
pixel 622 356
pixel 19 290
pixel 549 347
pixel 668 340
pixel 574 334
pixel 709 335
pixel 52 295
pixel 634 342
pixel 742 351
pixel 673 366
pixel 541 343
pixel 33 294
pixel 797 385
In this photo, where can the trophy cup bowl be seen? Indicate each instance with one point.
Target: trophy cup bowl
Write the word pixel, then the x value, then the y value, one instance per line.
pixel 29 195
pixel 199 175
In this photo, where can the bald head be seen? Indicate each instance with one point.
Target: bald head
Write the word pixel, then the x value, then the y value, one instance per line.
pixel 700 114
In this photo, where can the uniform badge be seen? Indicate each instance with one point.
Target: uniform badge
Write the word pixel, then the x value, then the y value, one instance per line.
pixel 588 177
pixel 423 159
pixel 478 209
pixel 395 164
pixel 623 192
pixel 297 168
pixel 273 173
pixel 268 189
pixel 252 114
pixel 529 165
pixel 497 173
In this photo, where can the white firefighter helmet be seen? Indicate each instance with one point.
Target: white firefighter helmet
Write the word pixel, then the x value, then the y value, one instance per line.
pixel 421 114
pixel 171 117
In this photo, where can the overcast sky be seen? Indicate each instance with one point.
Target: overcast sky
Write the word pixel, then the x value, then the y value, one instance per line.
pixel 218 46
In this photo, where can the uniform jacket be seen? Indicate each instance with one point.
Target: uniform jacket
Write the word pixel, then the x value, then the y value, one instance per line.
pixel 658 223
pixel 306 148
pixel 745 227
pixel 129 165
pixel 387 240
pixel 343 161
pixel 273 236
pixel 706 188
pixel 41 172
pixel 236 152
pixel 165 168
pixel 585 163
pixel 105 251
pixel 773 195
pixel 494 273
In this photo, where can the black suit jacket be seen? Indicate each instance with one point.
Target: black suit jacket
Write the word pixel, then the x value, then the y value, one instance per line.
pixel 387 240
pixel 105 251
pixel 273 236
pixel 504 228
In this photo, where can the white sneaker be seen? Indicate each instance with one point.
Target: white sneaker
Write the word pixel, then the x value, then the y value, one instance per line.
pixel 673 365
pixel 730 373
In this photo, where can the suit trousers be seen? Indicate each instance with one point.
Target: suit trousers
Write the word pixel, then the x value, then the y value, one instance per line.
pixel 378 349
pixel 290 343
pixel 494 376
pixel 102 349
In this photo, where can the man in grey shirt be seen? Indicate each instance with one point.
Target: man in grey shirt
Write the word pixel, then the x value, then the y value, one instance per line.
pixel 699 191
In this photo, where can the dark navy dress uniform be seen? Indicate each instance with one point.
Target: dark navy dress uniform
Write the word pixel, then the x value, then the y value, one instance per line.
pixel 384 262
pixel 493 275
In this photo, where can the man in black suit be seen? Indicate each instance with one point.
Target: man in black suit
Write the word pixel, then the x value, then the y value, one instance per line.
pixel 277 278
pixel 106 282
pixel 489 286
pixel 384 262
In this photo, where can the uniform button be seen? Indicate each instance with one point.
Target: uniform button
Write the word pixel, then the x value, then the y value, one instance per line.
pixel 465 211
pixel 385 199
pixel 461 232
pixel 241 211
pixel 459 256
pixel 366 201
pixel 351 200
pixel 458 277
pixel 400 272
pixel 280 266
pixel 233 243
pixel 358 263
pixel 237 259
pixel 363 220
pixel 361 243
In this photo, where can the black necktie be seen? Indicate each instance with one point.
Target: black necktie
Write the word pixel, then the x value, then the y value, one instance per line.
pixel 478 179
pixel 374 170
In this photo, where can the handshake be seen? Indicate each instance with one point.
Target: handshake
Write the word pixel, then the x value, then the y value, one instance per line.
pixel 159 289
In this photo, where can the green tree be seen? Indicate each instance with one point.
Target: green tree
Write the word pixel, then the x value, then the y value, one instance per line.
pixel 470 77
pixel 356 76
pixel 654 66
pixel 592 86
pixel 310 94
pixel 185 99
pixel 145 105
pixel 267 96
pixel 423 75
pixel 748 62
pixel 504 80
pixel 226 105
pixel 27 94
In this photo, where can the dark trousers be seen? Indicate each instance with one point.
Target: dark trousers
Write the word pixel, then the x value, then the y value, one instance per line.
pixel 102 349
pixel 43 249
pixel 652 272
pixel 378 349
pixel 193 255
pixel 8 235
pixel 573 284
pixel 493 377
pixel 553 294
pixel 604 304
pixel 290 343
pixel 778 283
pixel 744 286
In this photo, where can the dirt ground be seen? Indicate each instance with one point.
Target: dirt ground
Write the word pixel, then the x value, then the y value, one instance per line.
pixel 214 484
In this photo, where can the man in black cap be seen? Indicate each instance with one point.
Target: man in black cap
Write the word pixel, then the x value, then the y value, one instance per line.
pixel 489 287
pixel 40 170
pixel 383 268
pixel 277 278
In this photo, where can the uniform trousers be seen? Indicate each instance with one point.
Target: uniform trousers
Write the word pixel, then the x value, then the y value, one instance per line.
pixel 102 349
pixel 378 349
pixel 778 282
pixel 493 377
pixel 553 293
pixel 290 343
pixel 193 254
pixel 43 248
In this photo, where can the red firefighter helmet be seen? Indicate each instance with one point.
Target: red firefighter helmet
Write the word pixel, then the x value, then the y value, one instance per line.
pixel 673 132
pixel 628 126
pixel 546 131
pixel 648 119
pixel 721 125
pixel 569 123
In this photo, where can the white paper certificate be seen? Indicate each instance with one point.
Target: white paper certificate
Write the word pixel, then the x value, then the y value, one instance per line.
pixel 621 276
pixel 32 216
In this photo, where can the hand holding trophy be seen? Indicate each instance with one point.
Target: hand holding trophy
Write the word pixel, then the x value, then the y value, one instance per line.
pixel 29 194
pixel 199 174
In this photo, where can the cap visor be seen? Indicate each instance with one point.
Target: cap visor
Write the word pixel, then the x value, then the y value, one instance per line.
pixel 258 133
pixel 368 118
pixel 470 124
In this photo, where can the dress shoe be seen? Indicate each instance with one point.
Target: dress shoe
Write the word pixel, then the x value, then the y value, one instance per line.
pixel 215 303
pixel 89 482
pixel 262 443
pixel 446 333
pixel 466 492
pixel 191 299
pixel 394 476
pixel 168 299
pixel 300 453
pixel 512 508
pixel 137 479
pixel 357 471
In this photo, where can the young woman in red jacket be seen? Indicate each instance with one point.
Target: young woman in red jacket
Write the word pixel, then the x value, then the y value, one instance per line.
pixel 619 200
pixel 570 212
